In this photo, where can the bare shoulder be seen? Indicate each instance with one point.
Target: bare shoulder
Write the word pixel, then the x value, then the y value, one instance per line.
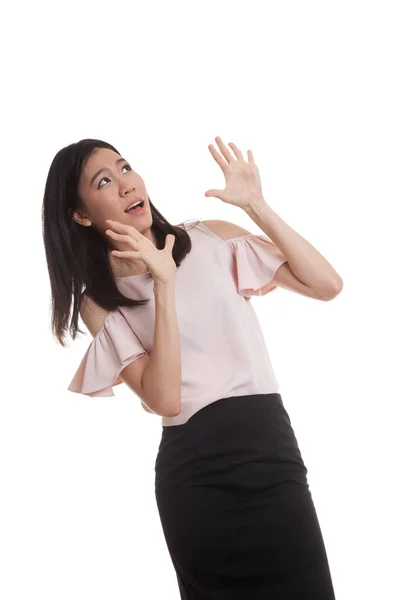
pixel 226 230
pixel 92 314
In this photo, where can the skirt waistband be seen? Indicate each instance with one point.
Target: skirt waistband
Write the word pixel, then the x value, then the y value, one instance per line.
pixel 230 410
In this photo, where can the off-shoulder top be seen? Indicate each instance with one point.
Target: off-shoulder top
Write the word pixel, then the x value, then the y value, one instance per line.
pixel 223 350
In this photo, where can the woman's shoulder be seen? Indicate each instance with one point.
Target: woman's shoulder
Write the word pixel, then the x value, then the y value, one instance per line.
pixel 92 314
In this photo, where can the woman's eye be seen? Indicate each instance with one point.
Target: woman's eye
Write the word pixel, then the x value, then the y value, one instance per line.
pixel 99 186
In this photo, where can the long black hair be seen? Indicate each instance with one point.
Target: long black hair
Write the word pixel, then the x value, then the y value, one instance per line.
pixel 77 256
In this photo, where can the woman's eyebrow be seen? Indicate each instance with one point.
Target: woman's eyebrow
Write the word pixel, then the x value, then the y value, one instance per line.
pixel 105 169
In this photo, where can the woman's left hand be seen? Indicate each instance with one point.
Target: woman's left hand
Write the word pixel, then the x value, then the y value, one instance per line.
pixel 243 184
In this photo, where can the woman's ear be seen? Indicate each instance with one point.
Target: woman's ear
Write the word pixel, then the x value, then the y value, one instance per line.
pixel 80 219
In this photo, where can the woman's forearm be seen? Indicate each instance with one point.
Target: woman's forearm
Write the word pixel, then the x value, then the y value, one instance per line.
pixel 162 376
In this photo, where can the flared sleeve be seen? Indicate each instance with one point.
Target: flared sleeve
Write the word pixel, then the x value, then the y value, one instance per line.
pixel 114 347
pixel 257 259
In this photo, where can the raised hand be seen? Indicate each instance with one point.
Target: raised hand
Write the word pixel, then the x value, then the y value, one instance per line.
pixel 159 262
pixel 243 184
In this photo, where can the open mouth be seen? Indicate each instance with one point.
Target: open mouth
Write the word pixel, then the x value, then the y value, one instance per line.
pixel 135 207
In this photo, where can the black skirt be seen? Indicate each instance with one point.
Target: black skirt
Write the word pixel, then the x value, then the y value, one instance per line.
pixel 235 507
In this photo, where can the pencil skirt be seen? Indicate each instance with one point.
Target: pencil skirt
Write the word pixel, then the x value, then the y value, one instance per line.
pixel 235 506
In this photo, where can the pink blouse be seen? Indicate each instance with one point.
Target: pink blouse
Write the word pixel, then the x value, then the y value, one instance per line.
pixel 223 352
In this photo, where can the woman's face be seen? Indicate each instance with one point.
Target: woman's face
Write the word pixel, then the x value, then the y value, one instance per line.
pixel 107 195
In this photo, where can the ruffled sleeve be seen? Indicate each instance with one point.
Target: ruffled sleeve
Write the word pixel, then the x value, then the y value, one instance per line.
pixel 257 259
pixel 113 348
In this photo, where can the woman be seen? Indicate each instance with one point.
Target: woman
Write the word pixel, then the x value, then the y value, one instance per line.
pixel 170 314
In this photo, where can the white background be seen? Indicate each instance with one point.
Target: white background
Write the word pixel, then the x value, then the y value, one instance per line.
pixel 313 89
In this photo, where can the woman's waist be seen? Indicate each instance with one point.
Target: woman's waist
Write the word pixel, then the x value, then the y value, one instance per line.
pixel 233 423
pixel 198 395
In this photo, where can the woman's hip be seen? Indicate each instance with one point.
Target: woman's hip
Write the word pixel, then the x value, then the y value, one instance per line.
pixel 242 442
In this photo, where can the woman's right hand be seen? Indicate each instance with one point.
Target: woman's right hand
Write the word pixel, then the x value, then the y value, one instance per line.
pixel 159 262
